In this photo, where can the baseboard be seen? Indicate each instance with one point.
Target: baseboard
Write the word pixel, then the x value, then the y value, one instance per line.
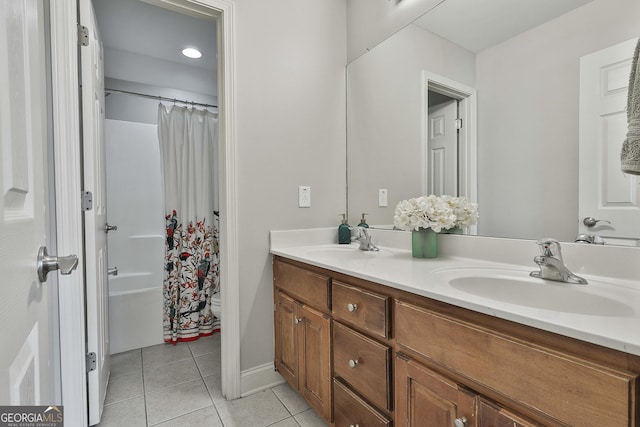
pixel 259 378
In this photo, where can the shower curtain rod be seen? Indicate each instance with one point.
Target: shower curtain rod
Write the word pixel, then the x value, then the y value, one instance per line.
pixel 159 98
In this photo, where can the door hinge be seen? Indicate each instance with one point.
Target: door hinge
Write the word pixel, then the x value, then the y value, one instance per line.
pixel 458 124
pixel 87 200
pixel 83 35
pixel 91 362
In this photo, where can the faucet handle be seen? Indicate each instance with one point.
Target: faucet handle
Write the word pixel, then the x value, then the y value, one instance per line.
pixel 550 247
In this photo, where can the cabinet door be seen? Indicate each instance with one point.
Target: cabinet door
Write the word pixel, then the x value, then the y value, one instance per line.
pixel 286 338
pixel 314 347
pixel 424 398
pixel 491 415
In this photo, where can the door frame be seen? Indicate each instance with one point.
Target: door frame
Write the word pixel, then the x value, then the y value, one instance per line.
pixel 68 186
pixel 468 137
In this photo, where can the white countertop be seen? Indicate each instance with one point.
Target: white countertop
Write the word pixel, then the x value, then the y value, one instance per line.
pixel 604 312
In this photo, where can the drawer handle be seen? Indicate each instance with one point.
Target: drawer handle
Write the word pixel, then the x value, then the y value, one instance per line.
pixel 352 307
pixel 354 425
pixel 461 422
pixel 353 363
pixel 298 321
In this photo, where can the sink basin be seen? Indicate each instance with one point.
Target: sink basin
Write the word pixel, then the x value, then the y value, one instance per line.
pixel 516 287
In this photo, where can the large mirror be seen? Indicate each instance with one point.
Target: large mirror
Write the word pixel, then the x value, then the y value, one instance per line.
pixel 523 84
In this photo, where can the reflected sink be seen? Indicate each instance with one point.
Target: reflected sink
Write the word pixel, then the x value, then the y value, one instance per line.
pixel 516 287
pixel 346 252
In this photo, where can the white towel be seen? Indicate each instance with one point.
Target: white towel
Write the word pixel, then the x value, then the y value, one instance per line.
pixel 630 156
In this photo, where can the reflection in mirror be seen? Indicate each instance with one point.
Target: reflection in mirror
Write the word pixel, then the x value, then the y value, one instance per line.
pixel 531 128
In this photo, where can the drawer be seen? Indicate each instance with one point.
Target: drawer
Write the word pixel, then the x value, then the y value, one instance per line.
pixel 363 363
pixel 570 389
pixel 302 284
pixel 365 310
pixel 351 410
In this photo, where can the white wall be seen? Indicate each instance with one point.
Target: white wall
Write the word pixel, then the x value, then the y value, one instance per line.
pixel 291 58
pixel 372 21
pixel 138 68
pixel 385 131
pixel 528 142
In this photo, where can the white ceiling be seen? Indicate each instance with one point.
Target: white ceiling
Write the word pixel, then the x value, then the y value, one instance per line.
pixel 145 29
pixel 479 24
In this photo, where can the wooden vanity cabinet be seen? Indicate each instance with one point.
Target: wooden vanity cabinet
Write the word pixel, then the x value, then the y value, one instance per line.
pixel 492 415
pixel 422 362
pixel 425 398
pixel 303 335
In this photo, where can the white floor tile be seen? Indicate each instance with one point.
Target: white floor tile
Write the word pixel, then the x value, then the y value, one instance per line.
pixel 172 402
pixel 309 418
pixel 123 387
pixel 214 385
pixel 291 400
pixel 125 363
pixel 203 417
pixel 209 364
pixel 205 345
pixel 161 376
pixel 258 410
pixel 128 413
pixel 289 422
pixel 162 354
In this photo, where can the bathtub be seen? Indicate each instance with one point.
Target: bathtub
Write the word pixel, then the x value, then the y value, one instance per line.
pixel 136 248
pixel 135 313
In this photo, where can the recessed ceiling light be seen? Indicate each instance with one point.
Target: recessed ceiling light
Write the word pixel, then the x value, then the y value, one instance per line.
pixel 191 52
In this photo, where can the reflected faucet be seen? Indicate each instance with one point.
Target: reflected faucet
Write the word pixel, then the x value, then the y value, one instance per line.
pixel 362 235
pixel 551 264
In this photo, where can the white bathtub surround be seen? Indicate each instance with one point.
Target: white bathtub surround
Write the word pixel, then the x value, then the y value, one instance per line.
pixel 613 273
pixel 134 197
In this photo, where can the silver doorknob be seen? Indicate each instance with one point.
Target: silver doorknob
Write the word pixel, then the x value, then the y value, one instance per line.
pixel 46 263
pixel 108 228
pixel 461 422
pixel 112 271
pixel 591 221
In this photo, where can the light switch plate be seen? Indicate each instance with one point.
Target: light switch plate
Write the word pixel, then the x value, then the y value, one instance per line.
pixel 382 198
pixel 304 196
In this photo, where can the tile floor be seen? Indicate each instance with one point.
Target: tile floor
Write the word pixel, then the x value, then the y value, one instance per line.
pixel 166 385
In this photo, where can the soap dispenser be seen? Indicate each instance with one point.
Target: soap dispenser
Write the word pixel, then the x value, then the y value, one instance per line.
pixel 344 231
pixel 363 221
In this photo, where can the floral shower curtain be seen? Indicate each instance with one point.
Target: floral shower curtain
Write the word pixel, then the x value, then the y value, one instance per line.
pixel 188 144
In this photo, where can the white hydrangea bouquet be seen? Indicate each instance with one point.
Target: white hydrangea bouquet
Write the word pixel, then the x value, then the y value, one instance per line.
pixel 435 212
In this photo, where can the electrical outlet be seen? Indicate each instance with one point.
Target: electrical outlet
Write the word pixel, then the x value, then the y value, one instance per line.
pixel 304 196
pixel 382 198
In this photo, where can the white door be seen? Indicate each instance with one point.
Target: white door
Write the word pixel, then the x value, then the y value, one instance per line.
pixel 97 293
pixel 605 192
pixel 442 158
pixel 26 376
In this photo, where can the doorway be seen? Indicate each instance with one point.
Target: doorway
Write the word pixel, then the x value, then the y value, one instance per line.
pixel 144 66
pixel 69 224
pixel 461 100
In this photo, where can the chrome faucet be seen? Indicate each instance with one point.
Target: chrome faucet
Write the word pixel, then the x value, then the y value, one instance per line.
pixel 362 235
pixel 551 264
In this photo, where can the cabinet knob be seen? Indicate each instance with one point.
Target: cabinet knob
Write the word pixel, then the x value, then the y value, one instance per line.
pixel 352 307
pixel 353 363
pixel 298 321
pixel 354 425
pixel 461 422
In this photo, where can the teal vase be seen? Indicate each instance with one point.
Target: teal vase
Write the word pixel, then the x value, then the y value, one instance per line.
pixel 454 230
pixel 424 243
